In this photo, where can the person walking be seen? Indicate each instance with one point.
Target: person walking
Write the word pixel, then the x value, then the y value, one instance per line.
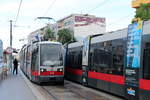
pixel 15 62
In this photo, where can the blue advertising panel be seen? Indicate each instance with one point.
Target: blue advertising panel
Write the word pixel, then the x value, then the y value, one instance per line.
pixel 134 45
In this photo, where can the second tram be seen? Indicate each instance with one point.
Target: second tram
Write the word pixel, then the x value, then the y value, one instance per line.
pixel 100 62
pixel 43 62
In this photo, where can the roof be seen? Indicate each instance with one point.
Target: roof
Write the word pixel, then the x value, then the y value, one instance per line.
pixel 75 44
pixel 50 42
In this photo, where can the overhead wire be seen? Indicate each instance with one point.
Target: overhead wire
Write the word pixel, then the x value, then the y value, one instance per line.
pixel 99 5
pixel 114 23
pixel 49 7
pixel 18 12
pixel 120 19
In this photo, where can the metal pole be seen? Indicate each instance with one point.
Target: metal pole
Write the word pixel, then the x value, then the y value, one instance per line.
pixel 10 57
pixel 10 33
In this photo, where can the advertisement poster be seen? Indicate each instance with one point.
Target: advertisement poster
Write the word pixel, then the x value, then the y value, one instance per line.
pixel 134 45
pixel 133 57
pixel 85 51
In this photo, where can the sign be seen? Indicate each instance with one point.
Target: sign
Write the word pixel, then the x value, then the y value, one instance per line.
pixel 88 19
pixel 85 60
pixel 134 45
pixel 132 63
pixel 85 20
pixel 85 51
pixel 9 50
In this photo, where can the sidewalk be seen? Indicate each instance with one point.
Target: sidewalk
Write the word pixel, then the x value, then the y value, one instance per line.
pixel 15 88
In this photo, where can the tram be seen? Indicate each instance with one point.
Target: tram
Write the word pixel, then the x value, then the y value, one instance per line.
pixel 43 62
pixel 100 62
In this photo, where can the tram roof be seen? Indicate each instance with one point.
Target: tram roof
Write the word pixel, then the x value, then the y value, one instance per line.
pixel 49 42
pixel 110 36
pixel 75 44
pixel 119 34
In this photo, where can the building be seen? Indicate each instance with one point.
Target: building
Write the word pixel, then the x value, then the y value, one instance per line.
pixel 137 3
pixel 82 25
pixel 38 34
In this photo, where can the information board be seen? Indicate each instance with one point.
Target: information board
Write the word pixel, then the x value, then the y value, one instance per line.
pixel 133 57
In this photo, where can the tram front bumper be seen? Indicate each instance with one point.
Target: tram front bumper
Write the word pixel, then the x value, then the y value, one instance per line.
pixel 51 78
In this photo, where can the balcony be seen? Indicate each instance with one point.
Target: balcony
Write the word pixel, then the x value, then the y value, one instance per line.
pixel 136 3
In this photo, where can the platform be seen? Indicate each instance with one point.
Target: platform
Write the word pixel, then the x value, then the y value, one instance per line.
pixel 15 88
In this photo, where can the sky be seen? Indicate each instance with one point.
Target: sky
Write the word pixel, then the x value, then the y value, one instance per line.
pixel 118 14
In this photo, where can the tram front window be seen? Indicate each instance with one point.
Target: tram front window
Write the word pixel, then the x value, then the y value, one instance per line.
pixel 51 55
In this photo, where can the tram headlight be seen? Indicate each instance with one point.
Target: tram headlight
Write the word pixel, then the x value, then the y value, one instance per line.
pixel 60 69
pixel 42 69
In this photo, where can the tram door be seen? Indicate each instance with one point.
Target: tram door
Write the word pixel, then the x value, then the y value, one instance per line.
pixel 132 63
pixel 85 60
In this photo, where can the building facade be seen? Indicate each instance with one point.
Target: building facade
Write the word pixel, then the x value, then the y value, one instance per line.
pixel 82 25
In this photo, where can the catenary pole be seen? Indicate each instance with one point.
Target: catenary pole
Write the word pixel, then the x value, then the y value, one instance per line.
pixel 10 56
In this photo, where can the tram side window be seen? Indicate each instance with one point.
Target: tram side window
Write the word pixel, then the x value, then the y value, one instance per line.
pixel 67 59
pixel 75 58
pixel 70 59
pixel 35 61
pixel 100 58
pixel 78 59
pixel 92 58
pixel 146 61
pixel 118 57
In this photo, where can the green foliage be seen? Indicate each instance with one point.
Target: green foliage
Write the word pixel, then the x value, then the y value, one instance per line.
pixel 143 12
pixel 65 36
pixel 49 34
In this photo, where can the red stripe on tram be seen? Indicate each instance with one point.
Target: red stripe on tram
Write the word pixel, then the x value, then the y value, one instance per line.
pixel 74 71
pixel 35 73
pixel 46 73
pixel 107 77
pixel 144 84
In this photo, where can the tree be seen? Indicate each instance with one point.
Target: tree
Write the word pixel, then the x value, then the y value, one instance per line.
pixel 49 34
pixel 143 12
pixel 65 36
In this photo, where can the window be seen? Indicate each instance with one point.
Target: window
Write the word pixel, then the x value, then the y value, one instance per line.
pixel 51 55
pixel 100 59
pixel 75 58
pixel 118 48
pixel 146 56
pixel 146 62
pixel 35 60
pixel 107 57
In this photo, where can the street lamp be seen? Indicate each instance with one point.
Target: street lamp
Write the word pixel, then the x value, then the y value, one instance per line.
pixel 50 18
pixel 46 18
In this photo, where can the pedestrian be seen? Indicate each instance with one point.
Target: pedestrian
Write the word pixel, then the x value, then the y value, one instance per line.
pixel 15 62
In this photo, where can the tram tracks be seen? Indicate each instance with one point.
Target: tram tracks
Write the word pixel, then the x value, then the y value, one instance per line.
pixel 62 93
pixel 71 91
pixel 50 93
